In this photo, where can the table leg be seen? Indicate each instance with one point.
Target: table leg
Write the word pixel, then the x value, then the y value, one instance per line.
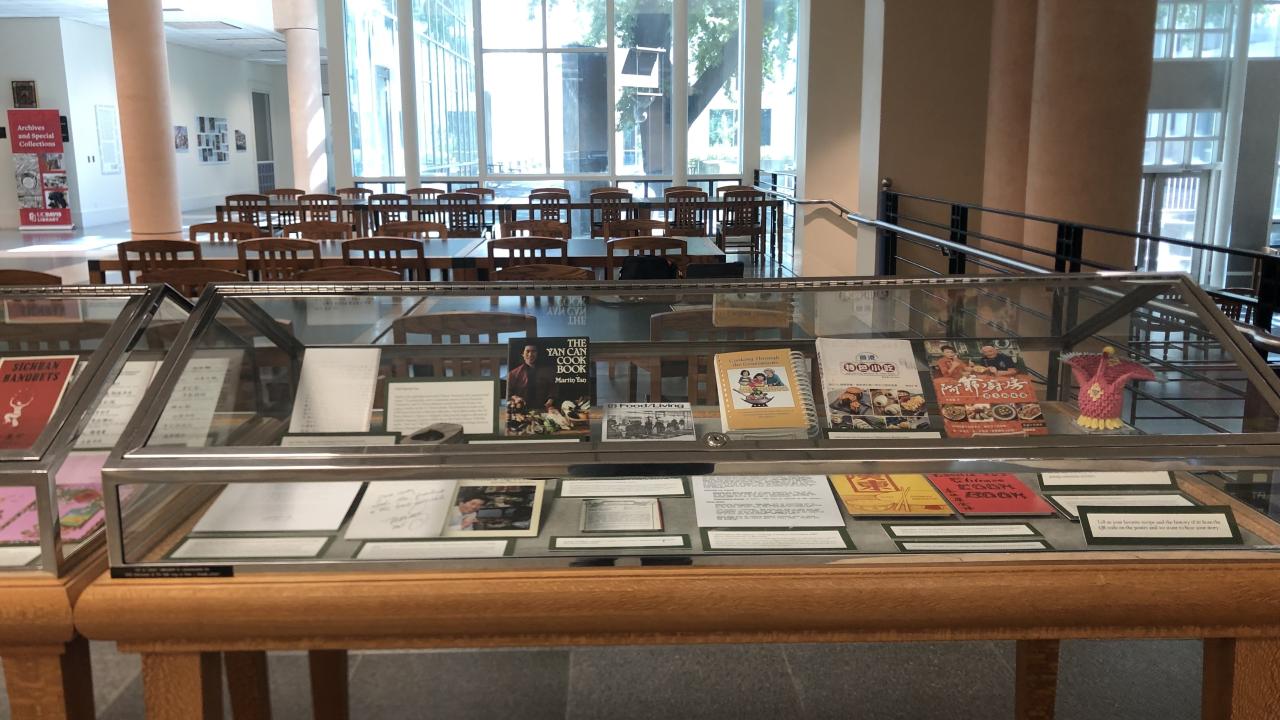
pixel 36 686
pixel 1036 681
pixel 248 684
pixel 182 686
pixel 1241 679
pixel 329 700
pixel 77 679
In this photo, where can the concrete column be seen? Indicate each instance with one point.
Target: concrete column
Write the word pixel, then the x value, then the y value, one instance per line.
pixel 1013 51
pixel 300 24
pixel 1088 113
pixel 146 126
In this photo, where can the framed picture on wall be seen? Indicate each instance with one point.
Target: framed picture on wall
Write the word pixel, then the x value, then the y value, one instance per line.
pixel 109 155
pixel 181 141
pixel 242 142
pixel 24 93
pixel 213 139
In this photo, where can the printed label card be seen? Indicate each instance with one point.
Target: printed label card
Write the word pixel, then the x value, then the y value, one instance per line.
pixel 1204 525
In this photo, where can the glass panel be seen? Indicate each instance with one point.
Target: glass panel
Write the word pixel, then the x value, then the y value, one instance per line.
pixel 1264 30
pixel 373 87
pixel 443 33
pixel 1175 153
pixel 514 118
pixel 1187 16
pixel 1275 202
pixel 642 138
pixel 576 23
pixel 1164 15
pixel 778 95
pixel 510 24
pixel 1153 124
pixel 1216 15
pixel 715 71
pixel 1161 48
pixel 1203 152
pixel 1211 45
pixel 1184 45
pixel 1207 124
pixel 1150 152
pixel 578 111
pixel 1179 125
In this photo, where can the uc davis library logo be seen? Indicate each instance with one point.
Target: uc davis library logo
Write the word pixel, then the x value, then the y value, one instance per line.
pixel 868 363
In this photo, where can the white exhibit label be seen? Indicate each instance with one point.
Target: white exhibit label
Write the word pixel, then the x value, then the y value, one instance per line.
pixel 1002 530
pixel 433 550
pixel 621 515
pixel 765 501
pixel 630 487
pixel 413 405
pixel 279 507
pixel 337 440
pixel 257 548
pixel 635 541
pixel 20 555
pixel 775 540
pixel 1051 480
pixel 1202 524
pixel 999 546
pixel 1069 503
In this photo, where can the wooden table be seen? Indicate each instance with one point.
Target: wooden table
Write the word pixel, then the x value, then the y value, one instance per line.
pixel 1230 600
pixel 46 664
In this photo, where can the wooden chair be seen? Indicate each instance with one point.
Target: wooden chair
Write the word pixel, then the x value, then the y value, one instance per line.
pixel 354 193
pixel 543 228
pixel 319 230
pixel 483 193
pixel 249 209
pixel 542 272
pixel 461 213
pixel 389 207
pixel 741 216
pixel 229 231
pixel 660 245
pixel 529 249
pixel 286 196
pixel 424 193
pixel 1234 308
pixel 551 204
pixel 414 229
pixel 634 228
pixel 687 212
pixel 400 255
pixel 609 205
pixel 695 326
pixel 143 256
pixel 28 277
pixel 320 206
pixel 451 328
pixel 735 188
pixel 190 281
pixel 348 273
pixel 268 259
pixel 679 188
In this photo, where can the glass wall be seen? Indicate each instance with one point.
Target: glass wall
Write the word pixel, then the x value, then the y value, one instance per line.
pixel 642 78
pixel 715 87
pixel 373 87
pixel 446 85
pixel 778 94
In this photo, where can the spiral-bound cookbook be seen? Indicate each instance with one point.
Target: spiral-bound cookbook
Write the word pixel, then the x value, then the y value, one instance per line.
pixel 765 394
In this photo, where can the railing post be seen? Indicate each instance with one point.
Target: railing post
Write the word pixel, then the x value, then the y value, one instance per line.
pixel 1268 293
pixel 888 239
pixel 1068 249
pixel 960 235
pixel 1077 248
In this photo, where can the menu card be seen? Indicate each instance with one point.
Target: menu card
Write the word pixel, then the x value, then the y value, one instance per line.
pixel 335 393
pixel 189 413
pixel 117 405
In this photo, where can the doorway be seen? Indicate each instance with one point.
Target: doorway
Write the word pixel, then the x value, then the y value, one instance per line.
pixel 1174 205
pixel 262 142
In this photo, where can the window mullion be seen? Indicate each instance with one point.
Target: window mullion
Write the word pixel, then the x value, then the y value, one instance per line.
pixel 477 53
pixel 546 96
pixel 680 92
pixel 611 89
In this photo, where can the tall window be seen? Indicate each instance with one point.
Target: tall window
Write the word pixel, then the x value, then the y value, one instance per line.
pixel 1195 29
pixel 373 87
pixel 642 82
pixel 1264 29
pixel 1182 139
pixel 444 62
pixel 715 90
pixel 778 95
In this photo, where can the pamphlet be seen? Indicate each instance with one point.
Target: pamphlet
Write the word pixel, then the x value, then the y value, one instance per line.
pixel 984 389
pixel 117 405
pixel 759 390
pixel 279 507
pixel 402 509
pixel 888 495
pixel 30 389
pixel 990 494
pixel 19 524
pixel 335 392
pixel 872 385
pixel 1089 480
pixel 621 515
pixel 414 404
pixel 189 413
pixel 649 421
pixel 765 501
pixel 549 386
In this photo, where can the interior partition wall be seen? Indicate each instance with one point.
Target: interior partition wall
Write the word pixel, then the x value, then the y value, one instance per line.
pixel 517 94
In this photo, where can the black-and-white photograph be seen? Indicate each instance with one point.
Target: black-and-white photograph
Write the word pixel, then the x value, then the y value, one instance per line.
pixel 213 139
pixel 242 141
pixel 181 141
pixel 24 93
pixel 649 421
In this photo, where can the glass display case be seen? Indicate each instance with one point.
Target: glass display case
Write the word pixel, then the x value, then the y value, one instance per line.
pixel 508 425
pixel 74 364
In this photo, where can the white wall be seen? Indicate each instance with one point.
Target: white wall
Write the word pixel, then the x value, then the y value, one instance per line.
pixel 202 83
pixel 30 49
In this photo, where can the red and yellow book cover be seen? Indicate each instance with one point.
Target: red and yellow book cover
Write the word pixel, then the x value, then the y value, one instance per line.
pixel 888 495
pixel 30 389
pixel 990 494
pixel 984 389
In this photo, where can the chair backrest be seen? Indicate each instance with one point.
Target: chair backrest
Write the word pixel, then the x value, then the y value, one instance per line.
pixel 319 230
pixel 277 258
pixel 608 205
pixel 348 273
pixel 354 193
pixel 633 246
pixel 247 200
pixel 741 209
pixel 146 255
pixel 414 229
pixel 286 193
pixel 541 271
pixel 448 328
pixel 389 207
pixel 606 190
pixel 735 188
pixel 320 206
pixel 481 192
pixel 680 188
pixel 248 208
pixel 403 256
pixel 522 250
pixel 423 192
pixel 633 228
pixel 190 281
pixel 543 228
pixel 28 277
pixel 461 213
pixel 550 201
pixel 216 231
pixel 688 212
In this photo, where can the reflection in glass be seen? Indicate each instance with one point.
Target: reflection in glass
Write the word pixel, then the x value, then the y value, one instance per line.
pixel 446 87
pixel 373 87
pixel 642 137
pixel 715 96
pixel 578 112
pixel 515 132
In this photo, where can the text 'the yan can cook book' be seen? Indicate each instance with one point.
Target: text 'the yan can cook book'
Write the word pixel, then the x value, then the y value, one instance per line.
pixel 548 386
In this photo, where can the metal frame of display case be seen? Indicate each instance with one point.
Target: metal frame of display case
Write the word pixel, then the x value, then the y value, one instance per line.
pixel 36 466
pixel 133 462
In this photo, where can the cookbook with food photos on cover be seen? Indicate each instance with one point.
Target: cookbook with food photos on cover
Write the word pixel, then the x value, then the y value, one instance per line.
pixel 983 388
pixel 872 386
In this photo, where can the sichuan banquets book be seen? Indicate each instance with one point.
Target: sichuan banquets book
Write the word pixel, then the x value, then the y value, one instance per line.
pixel 872 386
pixel 983 388
pixel 30 389
pixel 883 495
pixel 990 494
pixel 548 386
pixel 764 393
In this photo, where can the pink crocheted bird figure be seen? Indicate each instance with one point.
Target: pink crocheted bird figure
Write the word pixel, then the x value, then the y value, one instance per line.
pixel 1102 377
